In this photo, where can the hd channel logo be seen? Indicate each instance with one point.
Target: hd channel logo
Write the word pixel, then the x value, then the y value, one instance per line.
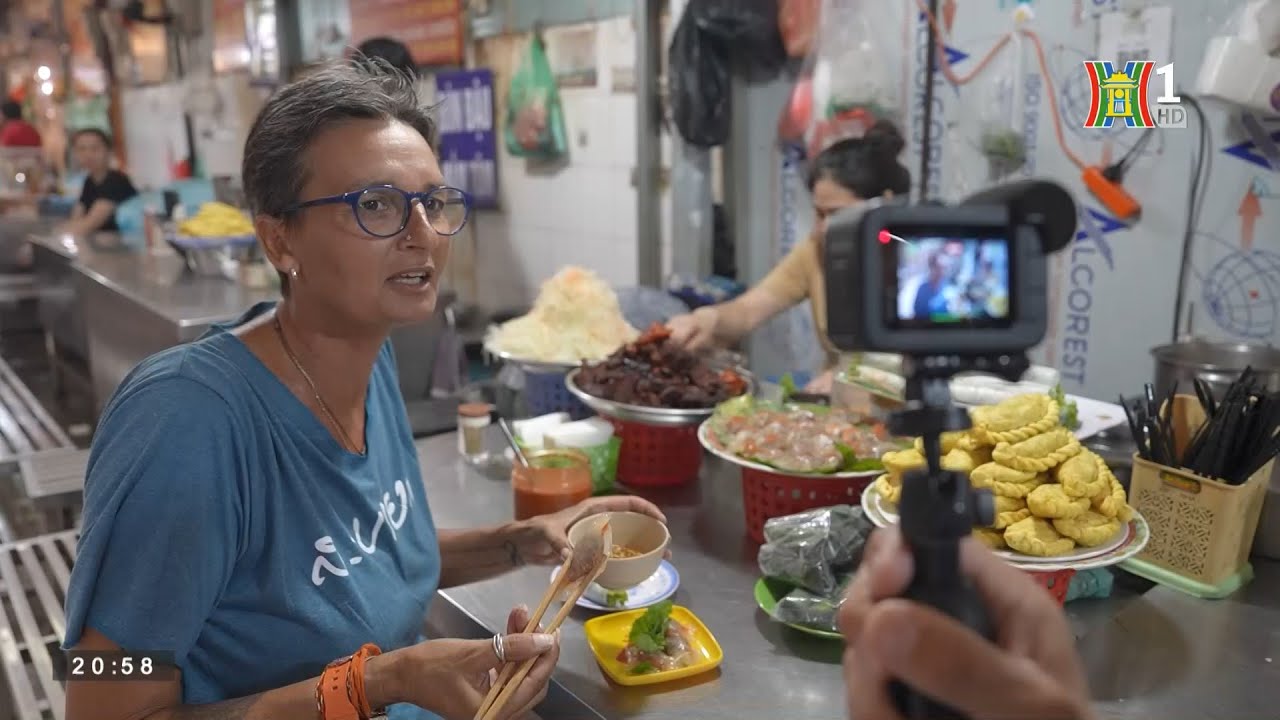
pixel 1123 95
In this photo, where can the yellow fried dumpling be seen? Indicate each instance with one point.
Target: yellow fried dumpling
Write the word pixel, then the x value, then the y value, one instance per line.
pixel 1015 419
pixel 987 474
pixel 1019 490
pixel 898 462
pixel 970 443
pixel 1009 511
pixel 1112 502
pixel 948 440
pixel 1039 453
pixel 1051 501
pixel 1005 519
pixel 1079 475
pixel 889 489
pixel 958 461
pixel 993 539
pixel 1089 528
pixel 1036 536
pixel 1008 504
pixel 980 455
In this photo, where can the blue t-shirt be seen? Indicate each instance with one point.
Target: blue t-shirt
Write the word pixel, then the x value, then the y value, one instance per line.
pixel 223 523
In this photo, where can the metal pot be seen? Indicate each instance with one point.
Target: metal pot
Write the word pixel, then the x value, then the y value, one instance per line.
pixel 1218 364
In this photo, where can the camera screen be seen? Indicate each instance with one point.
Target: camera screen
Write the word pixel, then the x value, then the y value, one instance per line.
pixel 948 282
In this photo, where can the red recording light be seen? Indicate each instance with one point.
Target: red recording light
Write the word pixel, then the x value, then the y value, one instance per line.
pixel 885 237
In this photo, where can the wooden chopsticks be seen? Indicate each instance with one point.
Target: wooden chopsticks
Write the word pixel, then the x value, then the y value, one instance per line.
pixel 504 691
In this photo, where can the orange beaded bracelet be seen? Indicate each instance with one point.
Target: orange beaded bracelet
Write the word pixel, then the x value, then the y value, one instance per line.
pixel 340 691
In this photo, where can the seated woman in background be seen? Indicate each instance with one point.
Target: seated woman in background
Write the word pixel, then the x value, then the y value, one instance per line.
pixel 843 175
pixel 104 187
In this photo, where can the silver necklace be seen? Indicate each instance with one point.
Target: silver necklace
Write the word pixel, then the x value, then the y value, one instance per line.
pixel 324 406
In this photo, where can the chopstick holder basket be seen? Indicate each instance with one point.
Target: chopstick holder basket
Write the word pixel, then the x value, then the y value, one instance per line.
pixel 1201 528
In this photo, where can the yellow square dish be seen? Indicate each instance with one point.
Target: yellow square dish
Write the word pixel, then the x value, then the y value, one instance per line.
pixel 607 635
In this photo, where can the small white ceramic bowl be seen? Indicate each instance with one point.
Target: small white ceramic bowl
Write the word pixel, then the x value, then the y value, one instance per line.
pixel 633 530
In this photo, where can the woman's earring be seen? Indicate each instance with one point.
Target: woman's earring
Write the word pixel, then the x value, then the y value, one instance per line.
pixel 293 273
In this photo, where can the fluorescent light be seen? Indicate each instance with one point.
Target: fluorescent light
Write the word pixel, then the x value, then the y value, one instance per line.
pixel 43 72
pixel 46 87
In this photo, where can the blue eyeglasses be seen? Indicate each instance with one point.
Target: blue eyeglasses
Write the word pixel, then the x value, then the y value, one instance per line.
pixel 383 210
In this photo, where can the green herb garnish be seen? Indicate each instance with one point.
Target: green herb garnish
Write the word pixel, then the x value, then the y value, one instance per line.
pixel 643 668
pixel 649 631
pixel 615 598
pixel 788 384
pixel 1068 411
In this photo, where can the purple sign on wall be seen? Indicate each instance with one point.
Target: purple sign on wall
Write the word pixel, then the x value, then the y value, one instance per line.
pixel 468 145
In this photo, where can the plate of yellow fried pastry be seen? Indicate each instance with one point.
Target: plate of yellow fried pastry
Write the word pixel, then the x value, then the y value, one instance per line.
pixel 1056 503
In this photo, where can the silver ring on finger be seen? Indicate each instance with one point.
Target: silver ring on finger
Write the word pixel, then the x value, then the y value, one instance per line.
pixel 499 648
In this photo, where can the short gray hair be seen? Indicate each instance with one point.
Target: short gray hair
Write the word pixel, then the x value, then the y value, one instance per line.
pixel 273 171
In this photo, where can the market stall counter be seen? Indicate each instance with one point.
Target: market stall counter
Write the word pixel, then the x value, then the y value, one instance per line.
pixel 136 303
pixel 1149 654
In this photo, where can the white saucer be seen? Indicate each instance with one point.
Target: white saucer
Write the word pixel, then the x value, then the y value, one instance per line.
pixel 660 586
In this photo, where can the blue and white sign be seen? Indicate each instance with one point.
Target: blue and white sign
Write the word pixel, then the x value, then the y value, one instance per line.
pixel 468 145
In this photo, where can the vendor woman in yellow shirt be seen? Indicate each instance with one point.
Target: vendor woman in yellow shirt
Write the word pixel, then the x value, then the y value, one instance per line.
pixel 845 174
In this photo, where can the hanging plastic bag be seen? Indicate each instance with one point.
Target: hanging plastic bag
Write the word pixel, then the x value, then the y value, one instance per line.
pixel 798 24
pixel 850 79
pixel 699 83
pixel 535 119
pixel 748 33
pixel 1001 131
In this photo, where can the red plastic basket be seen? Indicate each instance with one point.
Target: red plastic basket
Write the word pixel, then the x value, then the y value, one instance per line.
pixel 769 494
pixel 1057 582
pixel 657 455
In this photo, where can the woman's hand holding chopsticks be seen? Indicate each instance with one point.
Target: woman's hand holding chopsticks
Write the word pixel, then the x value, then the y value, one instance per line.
pixel 451 677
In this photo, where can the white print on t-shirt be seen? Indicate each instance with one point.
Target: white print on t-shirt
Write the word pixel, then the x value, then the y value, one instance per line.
pixel 391 514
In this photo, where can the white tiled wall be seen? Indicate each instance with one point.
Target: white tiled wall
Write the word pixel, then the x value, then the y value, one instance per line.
pixel 582 211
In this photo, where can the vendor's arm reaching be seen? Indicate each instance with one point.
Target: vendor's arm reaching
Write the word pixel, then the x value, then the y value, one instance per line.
pixel 843 175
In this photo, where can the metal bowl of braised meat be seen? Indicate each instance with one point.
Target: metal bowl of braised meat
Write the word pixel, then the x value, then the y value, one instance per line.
pixel 655 382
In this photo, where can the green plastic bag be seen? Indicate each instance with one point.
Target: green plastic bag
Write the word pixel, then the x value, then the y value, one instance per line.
pixel 535 119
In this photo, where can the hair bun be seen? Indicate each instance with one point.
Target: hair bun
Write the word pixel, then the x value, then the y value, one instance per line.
pixel 885 141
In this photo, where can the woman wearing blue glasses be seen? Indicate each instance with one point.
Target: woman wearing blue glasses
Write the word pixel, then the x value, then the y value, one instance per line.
pixel 254 504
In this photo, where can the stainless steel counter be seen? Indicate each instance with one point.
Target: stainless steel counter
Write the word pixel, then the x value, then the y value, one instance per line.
pixel 136 303
pixel 1152 654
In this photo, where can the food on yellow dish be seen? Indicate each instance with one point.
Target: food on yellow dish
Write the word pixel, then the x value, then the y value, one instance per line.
pixel 993 539
pixel 1014 419
pixel 619 552
pixel 1051 501
pixel 1039 453
pixel 890 489
pixel 576 317
pixel 1035 536
pixel 657 643
pixel 1080 477
pixel 1089 528
pixel 215 219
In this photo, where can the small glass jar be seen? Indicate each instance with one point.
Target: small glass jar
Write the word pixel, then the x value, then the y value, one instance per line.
pixel 552 481
pixel 473 418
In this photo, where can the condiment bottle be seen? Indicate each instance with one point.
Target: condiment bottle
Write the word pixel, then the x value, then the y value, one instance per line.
pixel 554 480
pixel 473 418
